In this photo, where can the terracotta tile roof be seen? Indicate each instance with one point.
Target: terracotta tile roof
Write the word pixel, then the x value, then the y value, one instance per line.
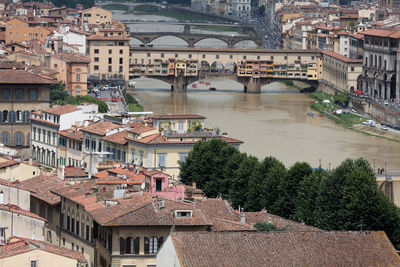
pixel 79 31
pixel 18 210
pixel 61 110
pixel 71 57
pixel 107 38
pixel 178 116
pixel 280 222
pixel 341 57
pixel 20 245
pixel 100 128
pixel 284 249
pixel 382 33
pixel 74 172
pixel 75 134
pixel 8 163
pixel 139 127
pixel 117 138
pixel 221 225
pixel 23 77
pixel 43 121
pixel 230 140
pixel 41 185
pixel 157 139
pixel 149 214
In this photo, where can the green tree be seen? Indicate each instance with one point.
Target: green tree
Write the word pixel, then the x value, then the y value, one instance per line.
pixel 306 204
pixel 264 184
pixel 57 92
pixel 268 227
pixel 205 164
pixel 240 180
pixel 288 188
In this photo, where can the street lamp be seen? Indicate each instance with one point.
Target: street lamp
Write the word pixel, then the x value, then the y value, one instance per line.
pixel 374 166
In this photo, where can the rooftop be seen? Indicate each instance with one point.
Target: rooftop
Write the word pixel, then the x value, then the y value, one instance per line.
pixel 178 116
pixel 20 245
pixel 17 210
pixel 71 57
pixel 40 187
pixel 310 248
pixel 23 77
pixel 61 110
pixel 341 57
pixel 100 128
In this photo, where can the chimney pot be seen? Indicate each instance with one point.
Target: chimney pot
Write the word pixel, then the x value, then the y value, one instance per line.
pixel 243 218
pixel 194 184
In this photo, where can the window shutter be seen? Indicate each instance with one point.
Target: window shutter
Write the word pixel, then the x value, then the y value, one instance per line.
pixel 121 246
pixel 137 245
pixel 146 245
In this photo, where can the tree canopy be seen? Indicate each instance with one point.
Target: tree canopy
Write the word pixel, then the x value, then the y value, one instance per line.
pixel 345 198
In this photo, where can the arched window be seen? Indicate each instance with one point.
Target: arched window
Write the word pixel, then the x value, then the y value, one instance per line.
pixel 19 115
pixel 83 226
pixel 5 116
pixel 12 117
pixel 5 137
pixel 18 139
pixel 25 116
pixel 121 246
pixel 129 247
pixel 153 246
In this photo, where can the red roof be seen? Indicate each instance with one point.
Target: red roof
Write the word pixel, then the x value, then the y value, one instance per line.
pixel 341 57
pixel 382 33
pixel 23 77
pixel 61 110
pixel 18 210
pixel 101 128
pixel 20 245
pixel 41 185
pixel 117 138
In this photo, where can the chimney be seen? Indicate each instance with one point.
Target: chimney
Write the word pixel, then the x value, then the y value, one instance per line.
pixel 194 184
pixel 30 161
pixel 243 218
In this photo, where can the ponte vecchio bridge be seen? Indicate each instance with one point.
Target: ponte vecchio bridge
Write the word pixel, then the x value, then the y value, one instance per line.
pixel 251 67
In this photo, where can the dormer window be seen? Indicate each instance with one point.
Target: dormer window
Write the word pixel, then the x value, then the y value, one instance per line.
pixel 183 213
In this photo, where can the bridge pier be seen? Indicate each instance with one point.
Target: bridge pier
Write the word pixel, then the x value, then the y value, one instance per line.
pixel 179 84
pixel 252 86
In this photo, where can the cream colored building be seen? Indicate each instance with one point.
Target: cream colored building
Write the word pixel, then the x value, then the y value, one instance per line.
pixel 339 73
pixel 18 170
pixel 95 16
pixel 37 253
pixel 109 58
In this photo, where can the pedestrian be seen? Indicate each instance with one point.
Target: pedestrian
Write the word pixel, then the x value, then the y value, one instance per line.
pixel 379 170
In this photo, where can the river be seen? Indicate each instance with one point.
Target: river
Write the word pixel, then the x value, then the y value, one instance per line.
pixel 271 124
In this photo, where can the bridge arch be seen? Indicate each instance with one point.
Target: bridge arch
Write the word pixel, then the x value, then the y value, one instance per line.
pixel 204 66
pixel 178 41
pixel 217 66
pixel 151 83
pixel 216 42
pixel 245 44
pixel 230 66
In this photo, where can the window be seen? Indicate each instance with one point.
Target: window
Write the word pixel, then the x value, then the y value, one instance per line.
pixel 162 55
pixel 299 57
pixel 153 246
pixel 183 213
pixel 42 211
pixel 96 59
pixel 110 51
pixel 110 60
pixel 5 138
pixel 176 55
pixel 49 236
pixel 33 207
pixel 96 67
pixel 121 51
pixel 19 94
pixel 32 94
pixel 33 264
pixel 96 51
pixel 49 214
pixel 63 241
pixel 161 160
pixel 68 223
pixel 78 78
pixel 182 156
pixel 87 142
pixel 121 60
pixel 352 68
pixel 5 93
pixel 72 246
pixel 244 57
pixel 109 69
pixel 121 69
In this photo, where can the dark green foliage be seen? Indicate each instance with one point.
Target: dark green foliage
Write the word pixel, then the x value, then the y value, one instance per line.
pixel 346 198
pixel 267 227
pixel 205 164
pixel 306 201
pixel 288 188
pixel 264 185
pixel 240 180
pixel 58 95
pixel 261 10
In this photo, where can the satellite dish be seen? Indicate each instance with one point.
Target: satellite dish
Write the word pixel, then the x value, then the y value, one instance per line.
pixel 142 186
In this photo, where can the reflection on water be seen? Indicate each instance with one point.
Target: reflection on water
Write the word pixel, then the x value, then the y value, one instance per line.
pixel 274 124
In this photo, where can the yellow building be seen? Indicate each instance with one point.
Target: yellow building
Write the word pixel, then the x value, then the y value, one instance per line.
pixel 70 148
pixel 21 170
pixel 339 73
pixel 95 16
pixel 18 30
pixel 109 58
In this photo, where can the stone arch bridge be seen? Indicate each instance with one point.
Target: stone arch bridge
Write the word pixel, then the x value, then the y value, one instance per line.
pixel 193 38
